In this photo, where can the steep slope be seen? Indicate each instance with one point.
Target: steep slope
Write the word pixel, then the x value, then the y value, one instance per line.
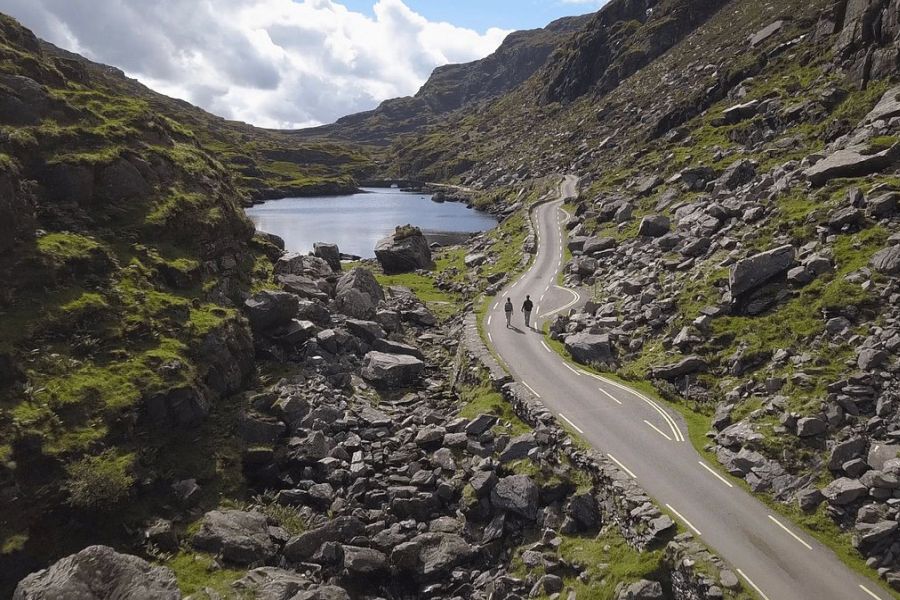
pixel 267 164
pixel 452 87
pixel 124 249
pixel 739 227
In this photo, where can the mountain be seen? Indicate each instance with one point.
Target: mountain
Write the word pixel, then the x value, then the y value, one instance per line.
pixel 737 229
pixel 737 224
pixel 265 163
pixel 452 87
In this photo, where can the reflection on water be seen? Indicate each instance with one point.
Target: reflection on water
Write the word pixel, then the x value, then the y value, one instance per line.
pixel 356 222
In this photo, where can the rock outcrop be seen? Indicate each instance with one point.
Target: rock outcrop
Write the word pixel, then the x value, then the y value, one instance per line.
pixel 404 251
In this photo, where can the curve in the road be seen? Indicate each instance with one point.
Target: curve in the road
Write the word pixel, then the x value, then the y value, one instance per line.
pixel 776 559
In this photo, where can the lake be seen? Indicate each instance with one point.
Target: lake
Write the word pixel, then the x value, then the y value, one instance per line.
pixel 356 222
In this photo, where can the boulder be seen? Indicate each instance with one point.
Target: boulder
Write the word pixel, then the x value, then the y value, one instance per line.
pixel 587 348
pixel 391 370
pixel 740 112
pixel 341 529
pixel 884 206
pixel 736 175
pixel 392 347
pixel 845 451
pixel 270 583
pixel 303 264
pixel 358 294
pixel 765 33
pixel 99 573
pixel 594 245
pixel 303 287
pixel 404 251
pixel 811 426
pixel 432 555
pixel 240 537
pixel 870 359
pixel 844 491
pixel 323 592
pixel 887 108
pixel 330 254
pixel 881 454
pixel 887 260
pixel 269 309
pixel 368 331
pixel 686 366
pixel 640 590
pixel 518 448
pixel 850 162
pixel 654 226
pixel 474 260
pixel 364 561
pixel 752 272
pixel 645 185
pixel 517 494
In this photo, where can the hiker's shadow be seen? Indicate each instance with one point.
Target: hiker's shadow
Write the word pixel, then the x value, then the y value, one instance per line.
pixel 517 330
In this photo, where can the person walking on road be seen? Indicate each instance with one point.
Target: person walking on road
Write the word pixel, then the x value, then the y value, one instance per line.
pixel 527 306
pixel 508 308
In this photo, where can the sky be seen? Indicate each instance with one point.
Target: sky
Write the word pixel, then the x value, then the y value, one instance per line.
pixel 284 63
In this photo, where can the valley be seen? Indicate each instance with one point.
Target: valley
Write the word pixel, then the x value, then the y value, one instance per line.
pixel 701 198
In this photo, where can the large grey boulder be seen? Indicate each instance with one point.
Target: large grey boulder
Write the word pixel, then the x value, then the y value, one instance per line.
pixel 587 348
pixel 268 309
pixel 270 583
pixel 240 537
pixel 517 494
pixel 303 264
pixel 736 175
pixel 330 254
pixel 358 294
pixel 846 451
pixel 432 555
pixel 323 592
pixel 686 366
pixel 640 590
pixel 341 529
pixel 100 573
pixel 404 251
pixel 595 245
pixel 887 108
pixel 887 260
pixel 364 561
pixel 844 491
pixel 654 226
pixel 854 161
pixel 391 370
pixel 752 272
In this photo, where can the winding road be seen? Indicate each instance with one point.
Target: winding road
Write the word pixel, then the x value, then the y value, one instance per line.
pixel 648 441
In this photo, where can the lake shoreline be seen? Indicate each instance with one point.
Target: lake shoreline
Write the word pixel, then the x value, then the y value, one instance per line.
pixel 356 222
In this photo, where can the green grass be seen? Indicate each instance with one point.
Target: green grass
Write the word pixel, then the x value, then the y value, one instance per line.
pixel 196 571
pixel 100 481
pixel 482 400
pixel 64 247
pixel 608 561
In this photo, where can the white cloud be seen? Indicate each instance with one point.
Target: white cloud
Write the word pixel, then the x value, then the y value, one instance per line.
pixel 273 63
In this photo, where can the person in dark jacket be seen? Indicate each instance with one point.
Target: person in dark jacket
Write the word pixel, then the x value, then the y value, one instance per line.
pixel 527 307
pixel 508 308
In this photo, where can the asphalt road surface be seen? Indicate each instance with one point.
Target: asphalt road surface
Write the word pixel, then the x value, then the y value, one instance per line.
pixel 648 441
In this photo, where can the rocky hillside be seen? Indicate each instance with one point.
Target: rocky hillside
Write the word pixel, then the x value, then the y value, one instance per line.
pixel 124 251
pixel 453 87
pixel 266 164
pixel 738 224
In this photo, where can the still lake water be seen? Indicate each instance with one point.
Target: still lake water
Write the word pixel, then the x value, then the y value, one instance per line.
pixel 356 222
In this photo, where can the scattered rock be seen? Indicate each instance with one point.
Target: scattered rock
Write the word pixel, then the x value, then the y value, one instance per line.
pixel 100 573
